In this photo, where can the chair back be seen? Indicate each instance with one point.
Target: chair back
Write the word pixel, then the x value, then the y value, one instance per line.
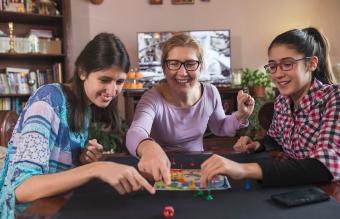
pixel 8 119
pixel 265 115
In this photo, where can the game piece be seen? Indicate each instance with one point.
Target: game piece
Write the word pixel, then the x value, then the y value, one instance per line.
pixel 247 184
pixel 192 163
pixel 168 212
pixel 225 184
pixel 209 196
pixel 199 193
pixel 192 185
pixel 173 163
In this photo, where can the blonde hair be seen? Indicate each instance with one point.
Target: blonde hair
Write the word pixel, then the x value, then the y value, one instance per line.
pixel 181 40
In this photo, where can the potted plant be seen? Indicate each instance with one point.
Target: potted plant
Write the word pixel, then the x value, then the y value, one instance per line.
pixel 256 81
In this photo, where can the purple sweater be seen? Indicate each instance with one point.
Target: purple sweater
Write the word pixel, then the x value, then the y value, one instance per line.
pixel 180 128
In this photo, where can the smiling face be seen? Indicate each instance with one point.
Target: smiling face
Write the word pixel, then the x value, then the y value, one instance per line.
pixel 101 87
pixel 182 80
pixel 295 82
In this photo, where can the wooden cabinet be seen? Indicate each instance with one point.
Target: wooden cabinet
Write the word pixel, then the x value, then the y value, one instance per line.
pixel 229 102
pixel 53 60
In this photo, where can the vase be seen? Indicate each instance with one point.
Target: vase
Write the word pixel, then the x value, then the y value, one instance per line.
pixel 257 91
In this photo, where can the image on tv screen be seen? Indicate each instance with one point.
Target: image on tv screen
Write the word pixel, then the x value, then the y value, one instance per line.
pixel 216 49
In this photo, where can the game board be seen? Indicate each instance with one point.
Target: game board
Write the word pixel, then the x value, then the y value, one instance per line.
pixel 189 179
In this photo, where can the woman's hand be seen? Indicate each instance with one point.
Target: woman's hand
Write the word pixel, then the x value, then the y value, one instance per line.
pixel 123 178
pixel 245 106
pixel 245 145
pixel 153 161
pixel 92 153
pixel 216 165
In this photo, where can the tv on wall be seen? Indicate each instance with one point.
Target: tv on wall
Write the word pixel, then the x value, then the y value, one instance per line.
pixel 216 49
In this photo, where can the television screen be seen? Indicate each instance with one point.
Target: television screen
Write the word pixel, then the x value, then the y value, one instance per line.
pixel 216 49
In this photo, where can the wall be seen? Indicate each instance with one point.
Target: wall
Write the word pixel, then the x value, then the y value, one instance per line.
pixel 253 23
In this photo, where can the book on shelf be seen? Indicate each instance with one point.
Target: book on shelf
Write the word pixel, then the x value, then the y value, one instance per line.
pixel 12 104
pixel 4 86
pixel 18 80
pixel 5 103
pixel 4 44
pixel 58 72
pixel 42 33
pixel 46 7
pixel 25 81
pixel 43 77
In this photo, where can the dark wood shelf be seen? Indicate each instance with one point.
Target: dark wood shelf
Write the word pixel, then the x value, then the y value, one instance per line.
pixel 60 25
pixel 29 18
pixel 30 55
pixel 15 95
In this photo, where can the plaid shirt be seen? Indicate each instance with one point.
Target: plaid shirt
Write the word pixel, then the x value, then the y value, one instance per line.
pixel 312 129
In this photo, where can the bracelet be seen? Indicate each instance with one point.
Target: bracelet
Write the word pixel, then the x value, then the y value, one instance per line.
pixel 145 139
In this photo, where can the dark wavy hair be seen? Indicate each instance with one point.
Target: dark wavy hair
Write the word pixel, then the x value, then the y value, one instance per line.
pixel 104 51
pixel 309 42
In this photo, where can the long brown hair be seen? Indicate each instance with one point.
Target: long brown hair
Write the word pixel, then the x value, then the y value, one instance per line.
pixel 103 51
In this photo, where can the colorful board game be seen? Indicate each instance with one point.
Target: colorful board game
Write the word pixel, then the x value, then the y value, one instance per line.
pixel 189 179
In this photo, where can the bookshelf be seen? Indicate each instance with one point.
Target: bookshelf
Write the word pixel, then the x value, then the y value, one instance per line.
pixel 41 36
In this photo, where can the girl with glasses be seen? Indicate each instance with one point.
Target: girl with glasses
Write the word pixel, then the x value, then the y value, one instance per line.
pixel 173 115
pixel 306 121
pixel 43 157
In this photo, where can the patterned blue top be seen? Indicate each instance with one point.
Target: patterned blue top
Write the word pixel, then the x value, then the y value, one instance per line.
pixel 41 143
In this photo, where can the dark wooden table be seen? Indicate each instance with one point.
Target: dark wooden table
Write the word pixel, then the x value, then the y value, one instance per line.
pixel 50 206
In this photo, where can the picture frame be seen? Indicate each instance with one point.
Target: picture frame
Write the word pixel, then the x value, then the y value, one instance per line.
pixel 155 2
pixel 182 2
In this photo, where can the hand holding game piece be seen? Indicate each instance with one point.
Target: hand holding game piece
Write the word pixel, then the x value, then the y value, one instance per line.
pixel 168 212
pixel 216 165
pixel 246 145
pixel 92 153
pixel 245 106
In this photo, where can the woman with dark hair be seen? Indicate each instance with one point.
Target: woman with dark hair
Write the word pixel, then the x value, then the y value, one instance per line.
pixel 306 117
pixel 44 151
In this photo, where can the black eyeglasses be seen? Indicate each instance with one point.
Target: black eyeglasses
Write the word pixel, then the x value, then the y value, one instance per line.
pixel 189 65
pixel 285 64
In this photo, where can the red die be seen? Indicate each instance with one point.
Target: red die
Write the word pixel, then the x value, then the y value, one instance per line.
pixel 168 212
